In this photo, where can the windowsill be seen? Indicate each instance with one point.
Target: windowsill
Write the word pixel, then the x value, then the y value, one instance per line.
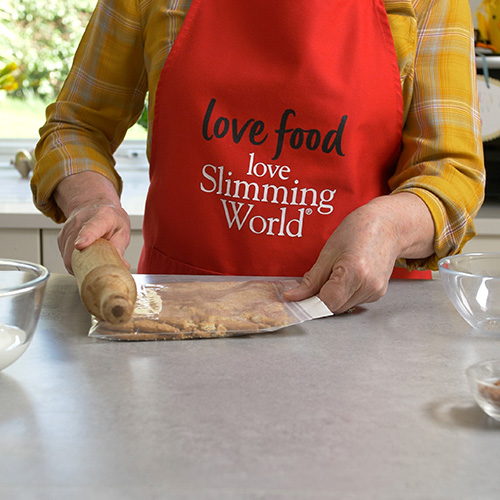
pixel 130 155
pixel 16 205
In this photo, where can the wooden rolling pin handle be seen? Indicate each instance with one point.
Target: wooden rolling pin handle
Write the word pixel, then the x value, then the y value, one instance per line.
pixel 107 288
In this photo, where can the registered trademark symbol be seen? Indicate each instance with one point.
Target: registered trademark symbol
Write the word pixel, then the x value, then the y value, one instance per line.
pixel 309 211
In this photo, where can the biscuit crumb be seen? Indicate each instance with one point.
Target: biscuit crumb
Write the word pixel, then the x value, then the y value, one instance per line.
pixel 202 309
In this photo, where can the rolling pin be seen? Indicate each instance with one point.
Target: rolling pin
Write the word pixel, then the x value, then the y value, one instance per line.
pixel 106 286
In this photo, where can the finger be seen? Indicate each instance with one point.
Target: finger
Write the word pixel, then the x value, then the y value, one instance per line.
pixel 66 253
pixel 121 241
pixel 70 238
pixel 315 278
pixel 84 239
pixel 310 284
pixel 65 240
pixel 71 242
pixel 335 296
pixel 346 290
pixel 101 225
pixel 340 286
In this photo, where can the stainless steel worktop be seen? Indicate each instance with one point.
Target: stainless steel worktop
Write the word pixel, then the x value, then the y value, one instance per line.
pixel 372 405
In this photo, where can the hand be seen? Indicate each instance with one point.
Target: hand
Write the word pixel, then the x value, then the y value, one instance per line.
pixel 90 222
pixel 93 210
pixel 356 263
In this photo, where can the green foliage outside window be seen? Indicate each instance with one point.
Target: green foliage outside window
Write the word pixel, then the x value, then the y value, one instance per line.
pixel 40 39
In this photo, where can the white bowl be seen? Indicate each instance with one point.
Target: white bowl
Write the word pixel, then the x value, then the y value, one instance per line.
pixel 472 282
pixel 22 286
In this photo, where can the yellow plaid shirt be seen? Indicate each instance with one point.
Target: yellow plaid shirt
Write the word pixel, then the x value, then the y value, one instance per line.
pixel 125 46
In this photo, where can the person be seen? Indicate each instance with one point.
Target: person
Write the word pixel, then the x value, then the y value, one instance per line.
pixel 337 141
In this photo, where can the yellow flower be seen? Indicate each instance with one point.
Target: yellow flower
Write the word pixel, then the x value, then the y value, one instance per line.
pixel 8 83
pixel 8 68
pixel 9 87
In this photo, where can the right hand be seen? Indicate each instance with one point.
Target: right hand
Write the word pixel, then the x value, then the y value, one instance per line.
pixel 93 210
pixel 355 264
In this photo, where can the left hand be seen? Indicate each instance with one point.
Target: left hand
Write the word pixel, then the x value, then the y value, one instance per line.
pixel 356 263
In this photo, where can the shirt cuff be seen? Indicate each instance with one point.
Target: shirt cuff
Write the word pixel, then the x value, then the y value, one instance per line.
pixel 449 238
pixel 52 169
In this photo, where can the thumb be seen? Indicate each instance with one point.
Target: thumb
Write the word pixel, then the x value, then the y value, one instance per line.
pixel 310 285
pixel 83 240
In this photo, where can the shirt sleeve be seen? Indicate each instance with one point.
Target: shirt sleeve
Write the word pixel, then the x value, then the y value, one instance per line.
pixel 442 156
pixel 101 98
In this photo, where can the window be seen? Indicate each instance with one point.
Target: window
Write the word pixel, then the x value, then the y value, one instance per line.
pixel 40 41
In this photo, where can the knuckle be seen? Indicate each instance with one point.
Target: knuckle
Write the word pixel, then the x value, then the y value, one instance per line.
pixel 372 288
pixel 332 295
pixel 378 289
pixel 308 279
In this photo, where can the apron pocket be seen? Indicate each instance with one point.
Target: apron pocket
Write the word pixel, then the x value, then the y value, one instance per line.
pixel 159 263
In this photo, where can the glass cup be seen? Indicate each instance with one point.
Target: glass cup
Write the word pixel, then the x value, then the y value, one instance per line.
pixel 22 286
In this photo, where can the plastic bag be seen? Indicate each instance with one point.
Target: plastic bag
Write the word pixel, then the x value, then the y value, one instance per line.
pixel 171 308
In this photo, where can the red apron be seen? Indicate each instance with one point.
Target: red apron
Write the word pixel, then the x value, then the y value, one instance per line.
pixel 267 133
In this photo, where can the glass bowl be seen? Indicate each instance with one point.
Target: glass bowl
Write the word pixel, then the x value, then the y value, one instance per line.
pixel 22 286
pixel 484 383
pixel 472 282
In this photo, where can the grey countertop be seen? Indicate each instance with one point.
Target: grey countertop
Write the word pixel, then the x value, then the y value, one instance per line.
pixel 371 405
